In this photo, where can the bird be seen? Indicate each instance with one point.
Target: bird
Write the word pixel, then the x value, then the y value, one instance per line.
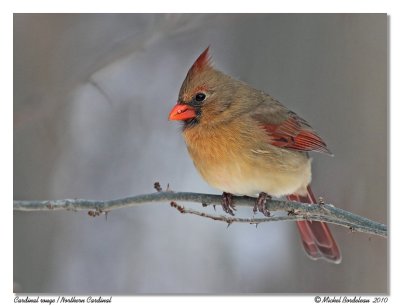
pixel 245 142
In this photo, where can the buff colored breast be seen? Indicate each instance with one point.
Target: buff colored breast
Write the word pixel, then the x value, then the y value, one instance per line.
pixel 230 158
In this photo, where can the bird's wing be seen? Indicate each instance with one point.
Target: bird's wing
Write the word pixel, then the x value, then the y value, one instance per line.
pixel 286 129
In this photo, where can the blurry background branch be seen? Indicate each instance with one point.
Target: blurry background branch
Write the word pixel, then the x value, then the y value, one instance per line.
pixel 295 211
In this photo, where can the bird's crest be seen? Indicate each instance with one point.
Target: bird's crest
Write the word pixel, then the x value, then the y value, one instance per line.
pixel 203 62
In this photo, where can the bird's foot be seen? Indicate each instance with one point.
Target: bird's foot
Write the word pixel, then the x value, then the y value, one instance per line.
pixel 260 204
pixel 227 203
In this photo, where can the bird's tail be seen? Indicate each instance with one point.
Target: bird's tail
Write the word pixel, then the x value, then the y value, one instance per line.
pixel 316 237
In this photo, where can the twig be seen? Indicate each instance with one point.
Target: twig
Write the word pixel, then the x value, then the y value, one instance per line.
pixel 327 212
pixel 229 219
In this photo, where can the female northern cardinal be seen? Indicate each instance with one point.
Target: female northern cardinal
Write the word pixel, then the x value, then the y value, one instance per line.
pixel 243 141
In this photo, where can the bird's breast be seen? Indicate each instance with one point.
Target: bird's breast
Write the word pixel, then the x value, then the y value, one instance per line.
pixel 237 159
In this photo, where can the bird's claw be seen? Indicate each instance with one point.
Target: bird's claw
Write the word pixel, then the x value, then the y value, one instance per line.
pixel 260 204
pixel 227 203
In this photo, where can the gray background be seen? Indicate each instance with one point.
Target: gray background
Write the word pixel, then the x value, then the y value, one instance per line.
pixel 91 99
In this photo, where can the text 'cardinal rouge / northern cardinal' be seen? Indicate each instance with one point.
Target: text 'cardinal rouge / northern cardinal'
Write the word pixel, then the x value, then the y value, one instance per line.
pixel 244 142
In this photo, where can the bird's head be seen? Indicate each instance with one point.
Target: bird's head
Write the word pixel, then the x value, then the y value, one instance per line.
pixel 206 95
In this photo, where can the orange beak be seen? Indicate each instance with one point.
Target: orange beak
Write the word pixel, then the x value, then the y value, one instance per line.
pixel 182 112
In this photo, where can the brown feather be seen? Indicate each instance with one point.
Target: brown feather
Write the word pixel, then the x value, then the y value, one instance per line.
pixel 243 141
pixel 316 237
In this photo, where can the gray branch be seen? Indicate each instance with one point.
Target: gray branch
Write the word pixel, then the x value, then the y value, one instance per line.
pixel 295 211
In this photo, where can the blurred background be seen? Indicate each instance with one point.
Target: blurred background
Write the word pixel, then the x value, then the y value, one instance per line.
pixel 92 93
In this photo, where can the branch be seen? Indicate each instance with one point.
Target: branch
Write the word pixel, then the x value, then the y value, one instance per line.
pixel 295 211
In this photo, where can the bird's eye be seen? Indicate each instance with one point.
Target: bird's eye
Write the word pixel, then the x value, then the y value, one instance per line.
pixel 200 97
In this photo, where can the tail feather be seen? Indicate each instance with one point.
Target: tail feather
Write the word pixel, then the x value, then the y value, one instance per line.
pixel 316 237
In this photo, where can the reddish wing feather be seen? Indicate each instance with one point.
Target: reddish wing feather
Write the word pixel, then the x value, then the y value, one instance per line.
pixel 295 133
